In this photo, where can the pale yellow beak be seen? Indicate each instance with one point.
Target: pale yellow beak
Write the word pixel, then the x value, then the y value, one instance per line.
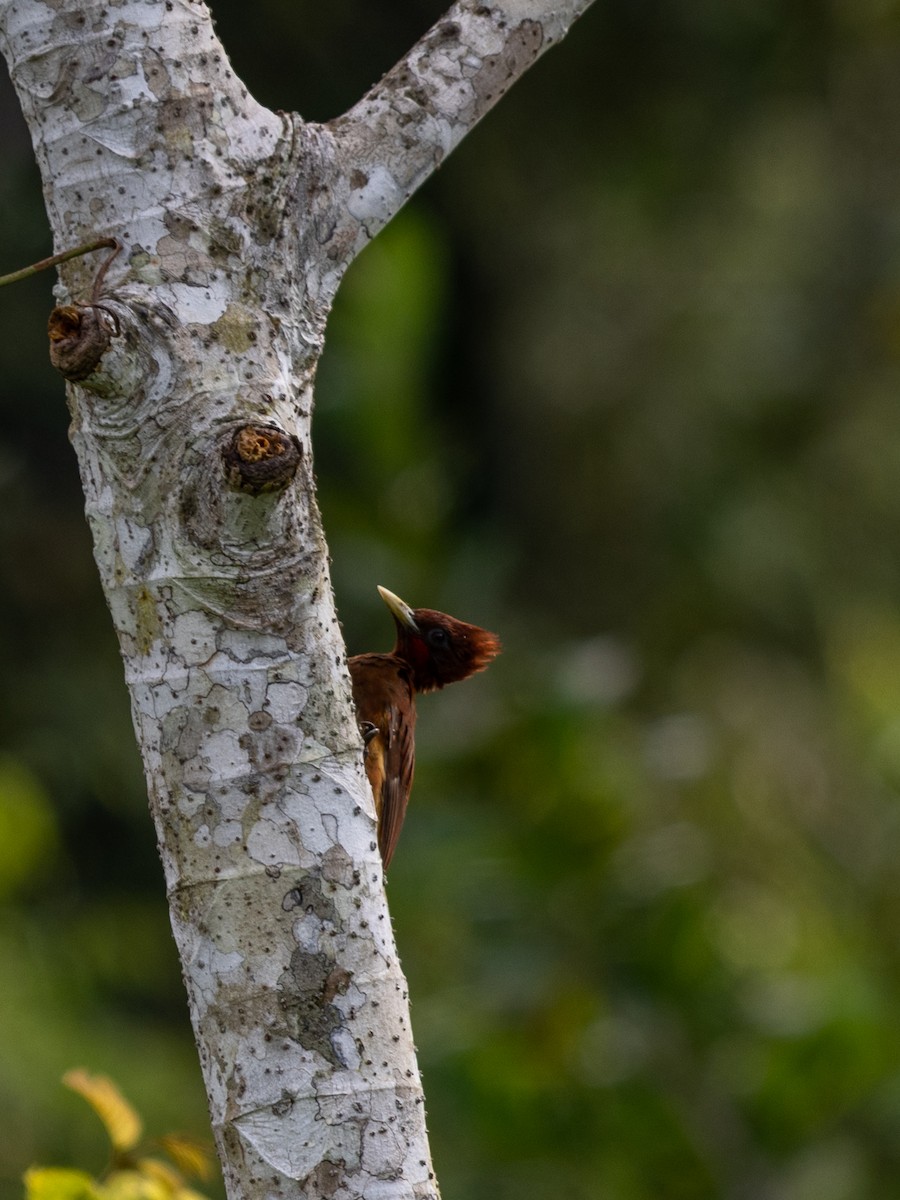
pixel 400 610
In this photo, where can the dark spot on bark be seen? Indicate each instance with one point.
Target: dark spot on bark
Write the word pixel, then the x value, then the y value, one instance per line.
pixel 337 866
pixel 336 984
pixel 272 749
pixel 308 893
pixel 325 1179
pixel 307 989
pixel 523 44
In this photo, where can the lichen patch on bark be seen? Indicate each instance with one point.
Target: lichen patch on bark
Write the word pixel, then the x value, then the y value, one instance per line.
pixel 307 1003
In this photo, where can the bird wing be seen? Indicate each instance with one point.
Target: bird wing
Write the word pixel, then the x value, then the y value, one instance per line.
pixel 398 747
pixel 385 709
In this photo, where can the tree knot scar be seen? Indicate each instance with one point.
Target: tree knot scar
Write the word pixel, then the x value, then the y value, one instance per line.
pixel 261 458
pixel 80 335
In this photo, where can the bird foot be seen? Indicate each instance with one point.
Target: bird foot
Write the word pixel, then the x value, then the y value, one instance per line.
pixel 368 731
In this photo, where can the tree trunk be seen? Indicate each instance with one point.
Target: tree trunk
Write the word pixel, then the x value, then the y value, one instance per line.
pixel 190 368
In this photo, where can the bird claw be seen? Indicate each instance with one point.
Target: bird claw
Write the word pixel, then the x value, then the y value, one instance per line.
pixel 368 731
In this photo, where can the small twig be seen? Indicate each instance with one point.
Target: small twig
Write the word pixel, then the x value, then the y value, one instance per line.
pixel 55 259
pixel 104 267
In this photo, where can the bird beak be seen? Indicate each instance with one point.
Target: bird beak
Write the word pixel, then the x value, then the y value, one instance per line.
pixel 400 611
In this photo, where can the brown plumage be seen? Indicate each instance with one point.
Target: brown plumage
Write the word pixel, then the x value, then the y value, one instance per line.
pixel 431 650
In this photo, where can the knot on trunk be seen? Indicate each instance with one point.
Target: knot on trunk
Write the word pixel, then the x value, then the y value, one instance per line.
pixel 80 335
pixel 260 458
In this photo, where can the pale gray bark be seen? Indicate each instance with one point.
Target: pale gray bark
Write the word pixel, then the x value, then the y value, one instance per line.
pixel 237 225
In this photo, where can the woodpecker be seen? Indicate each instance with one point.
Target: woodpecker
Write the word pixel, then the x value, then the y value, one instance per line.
pixel 432 649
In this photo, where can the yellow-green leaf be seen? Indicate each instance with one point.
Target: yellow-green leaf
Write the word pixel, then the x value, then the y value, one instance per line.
pixel 122 1123
pixel 160 1172
pixel 58 1183
pixel 133 1185
pixel 189 1155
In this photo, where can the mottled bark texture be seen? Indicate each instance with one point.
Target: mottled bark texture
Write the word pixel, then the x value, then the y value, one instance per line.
pixel 190 390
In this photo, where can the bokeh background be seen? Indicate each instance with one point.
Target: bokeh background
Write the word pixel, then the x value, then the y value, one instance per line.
pixel 623 383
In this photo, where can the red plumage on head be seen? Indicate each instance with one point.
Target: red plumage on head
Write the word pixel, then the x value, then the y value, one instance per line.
pixel 441 649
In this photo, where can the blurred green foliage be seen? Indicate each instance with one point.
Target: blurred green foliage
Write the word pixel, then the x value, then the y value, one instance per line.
pixel 621 383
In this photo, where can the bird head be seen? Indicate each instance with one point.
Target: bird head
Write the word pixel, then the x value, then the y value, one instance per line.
pixel 438 648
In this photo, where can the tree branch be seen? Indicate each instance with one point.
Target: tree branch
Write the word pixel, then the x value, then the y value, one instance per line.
pixel 388 144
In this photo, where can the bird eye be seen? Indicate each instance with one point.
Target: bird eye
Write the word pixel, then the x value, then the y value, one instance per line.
pixel 438 637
